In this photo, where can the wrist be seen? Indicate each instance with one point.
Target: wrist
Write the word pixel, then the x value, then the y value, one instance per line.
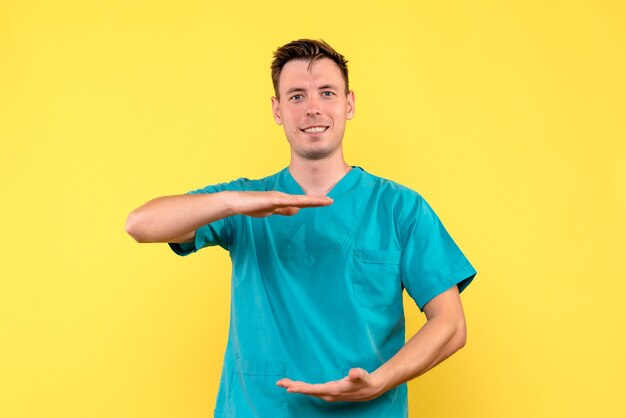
pixel 228 199
pixel 381 380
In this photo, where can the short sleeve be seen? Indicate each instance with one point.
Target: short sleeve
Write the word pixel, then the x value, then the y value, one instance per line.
pixel 431 261
pixel 215 233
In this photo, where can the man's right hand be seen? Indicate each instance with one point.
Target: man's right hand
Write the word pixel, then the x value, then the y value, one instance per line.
pixel 262 204
pixel 175 218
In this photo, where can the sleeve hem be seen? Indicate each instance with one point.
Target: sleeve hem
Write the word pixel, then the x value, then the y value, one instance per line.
pixel 186 248
pixel 182 248
pixel 461 278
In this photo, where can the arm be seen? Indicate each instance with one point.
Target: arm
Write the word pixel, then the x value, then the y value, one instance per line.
pixel 443 334
pixel 175 218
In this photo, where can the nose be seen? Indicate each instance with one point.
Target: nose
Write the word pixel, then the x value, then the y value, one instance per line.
pixel 313 106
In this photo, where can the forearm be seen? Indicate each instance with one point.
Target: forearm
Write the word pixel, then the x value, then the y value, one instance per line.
pixel 166 218
pixel 437 340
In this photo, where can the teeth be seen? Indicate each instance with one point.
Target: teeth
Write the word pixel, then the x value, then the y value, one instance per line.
pixel 315 129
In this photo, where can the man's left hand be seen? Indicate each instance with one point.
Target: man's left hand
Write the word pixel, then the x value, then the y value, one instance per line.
pixel 358 386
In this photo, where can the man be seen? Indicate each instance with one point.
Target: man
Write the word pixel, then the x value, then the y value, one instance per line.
pixel 321 253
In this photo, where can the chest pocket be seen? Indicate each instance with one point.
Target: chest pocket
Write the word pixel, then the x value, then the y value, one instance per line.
pixel 376 280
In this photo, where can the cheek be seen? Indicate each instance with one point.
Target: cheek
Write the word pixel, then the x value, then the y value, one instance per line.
pixel 340 113
pixel 290 123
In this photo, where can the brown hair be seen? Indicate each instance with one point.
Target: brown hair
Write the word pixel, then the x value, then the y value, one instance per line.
pixel 306 49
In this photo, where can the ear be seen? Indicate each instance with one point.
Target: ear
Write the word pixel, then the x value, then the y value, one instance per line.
pixel 276 110
pixel 350 112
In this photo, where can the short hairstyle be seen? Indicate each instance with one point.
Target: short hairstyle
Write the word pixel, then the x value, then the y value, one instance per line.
pixel 306 49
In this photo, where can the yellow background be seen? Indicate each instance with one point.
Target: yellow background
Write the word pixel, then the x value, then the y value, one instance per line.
pixel 508 117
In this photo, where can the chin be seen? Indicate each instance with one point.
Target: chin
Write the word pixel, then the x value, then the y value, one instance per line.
pixel 315 155
pixel 315 151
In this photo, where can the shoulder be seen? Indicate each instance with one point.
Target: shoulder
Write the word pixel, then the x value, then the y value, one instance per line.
pixel 391 190
pixel 404 204
pixel 410 211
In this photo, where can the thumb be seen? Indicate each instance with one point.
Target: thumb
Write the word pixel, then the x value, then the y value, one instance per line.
pixel 357 374
pixel 286 211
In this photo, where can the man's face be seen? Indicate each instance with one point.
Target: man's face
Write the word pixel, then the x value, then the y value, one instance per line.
pixel 313 107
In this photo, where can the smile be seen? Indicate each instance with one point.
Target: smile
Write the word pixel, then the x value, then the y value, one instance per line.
pixel 315 129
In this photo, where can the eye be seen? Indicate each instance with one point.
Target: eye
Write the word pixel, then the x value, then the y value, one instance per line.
pixel 328 93
pixel 295 97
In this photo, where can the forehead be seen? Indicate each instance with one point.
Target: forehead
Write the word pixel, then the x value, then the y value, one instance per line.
pixel 297 73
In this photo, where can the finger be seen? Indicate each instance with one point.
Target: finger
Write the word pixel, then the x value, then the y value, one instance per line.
pixel 319 389
pixel 286 211
pixel 288 383
pixel 357 374
pixel 284 382
pixel 303 201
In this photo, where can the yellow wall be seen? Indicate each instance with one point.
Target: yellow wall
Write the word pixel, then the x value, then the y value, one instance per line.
pixel 509 117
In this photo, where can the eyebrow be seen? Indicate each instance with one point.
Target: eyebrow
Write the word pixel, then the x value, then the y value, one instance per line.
pixel 299 89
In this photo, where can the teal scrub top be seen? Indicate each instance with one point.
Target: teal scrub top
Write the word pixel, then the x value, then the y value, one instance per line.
pixel 320 292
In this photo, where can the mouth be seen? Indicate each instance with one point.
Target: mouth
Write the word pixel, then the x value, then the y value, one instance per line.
pixel 315 130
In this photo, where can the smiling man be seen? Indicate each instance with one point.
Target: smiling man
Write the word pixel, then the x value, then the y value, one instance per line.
pixel 321 254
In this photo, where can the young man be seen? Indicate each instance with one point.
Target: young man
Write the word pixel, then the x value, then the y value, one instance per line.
pixel 317 323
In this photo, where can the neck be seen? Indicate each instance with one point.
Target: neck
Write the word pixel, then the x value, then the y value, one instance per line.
pixel 318 177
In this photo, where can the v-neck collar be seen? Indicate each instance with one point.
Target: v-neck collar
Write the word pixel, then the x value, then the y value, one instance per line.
pixel 345 183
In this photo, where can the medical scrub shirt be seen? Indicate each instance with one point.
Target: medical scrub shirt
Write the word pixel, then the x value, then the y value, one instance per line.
pixel 320 292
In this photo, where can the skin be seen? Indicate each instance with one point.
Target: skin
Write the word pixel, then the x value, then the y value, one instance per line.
pixel 310 96
pixel 313 95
